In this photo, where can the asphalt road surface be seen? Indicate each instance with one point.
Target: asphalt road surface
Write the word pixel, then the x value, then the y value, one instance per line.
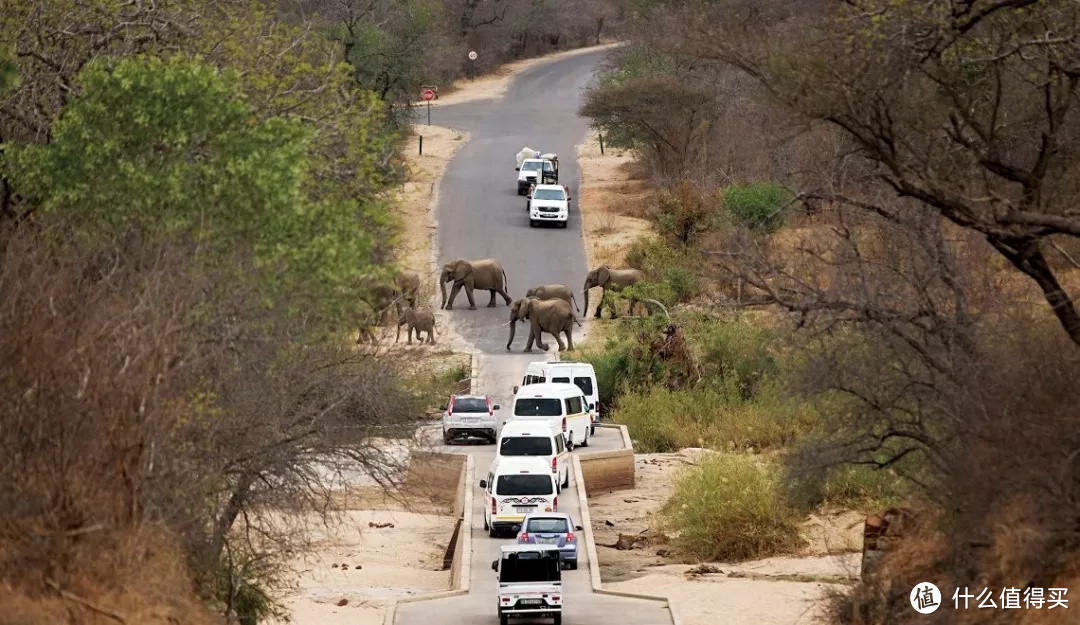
pixel 480 213
pixel 481 216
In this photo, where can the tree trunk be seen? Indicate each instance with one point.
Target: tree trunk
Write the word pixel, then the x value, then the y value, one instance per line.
pixel 225 520
pixel 1025 253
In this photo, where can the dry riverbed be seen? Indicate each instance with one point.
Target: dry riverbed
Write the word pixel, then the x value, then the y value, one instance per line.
pixel 773 591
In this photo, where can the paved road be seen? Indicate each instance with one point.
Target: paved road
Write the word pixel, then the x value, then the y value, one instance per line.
pixel 480 216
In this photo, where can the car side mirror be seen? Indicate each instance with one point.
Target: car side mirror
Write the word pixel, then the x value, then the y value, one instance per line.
pixel 516 390
pixel 577 528
pixel 494 565
pixel 496 407
pixel 483 484
pixel 443 408
pixel 568 198
pixel 517 169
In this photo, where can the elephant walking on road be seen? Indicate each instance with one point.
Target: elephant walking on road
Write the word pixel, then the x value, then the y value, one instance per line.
pixel 554 291
pixel 613 279
pixel 486 275
pixel 553 316
pixel 418 320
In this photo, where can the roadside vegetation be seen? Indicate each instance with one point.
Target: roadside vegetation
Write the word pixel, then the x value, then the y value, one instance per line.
pixel 195 200
pixel 867 207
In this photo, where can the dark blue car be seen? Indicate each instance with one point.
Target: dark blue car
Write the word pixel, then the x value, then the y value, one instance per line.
pixel 552 528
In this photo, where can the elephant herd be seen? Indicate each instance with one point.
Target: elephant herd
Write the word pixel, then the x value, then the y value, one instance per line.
pixel 548 308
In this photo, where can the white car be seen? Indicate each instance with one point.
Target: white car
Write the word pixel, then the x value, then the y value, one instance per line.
pixel 549 203
pixel 529 173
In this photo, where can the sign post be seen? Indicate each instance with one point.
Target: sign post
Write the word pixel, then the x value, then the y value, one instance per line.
pixel 472 66
pixel 428 95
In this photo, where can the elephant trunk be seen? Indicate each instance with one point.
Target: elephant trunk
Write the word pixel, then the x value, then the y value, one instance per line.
pixel 586 299
pixel 398 337
pixel 442 292
pixel 513 328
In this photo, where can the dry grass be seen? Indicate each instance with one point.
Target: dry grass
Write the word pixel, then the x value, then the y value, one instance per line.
pixel 612 203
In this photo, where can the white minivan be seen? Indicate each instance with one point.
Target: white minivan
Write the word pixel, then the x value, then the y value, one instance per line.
pixel 563 405
pixel 580 374
pixel 527 437
pixel 515 487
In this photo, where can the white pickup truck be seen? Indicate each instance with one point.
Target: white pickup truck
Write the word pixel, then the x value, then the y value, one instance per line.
pixel 530 583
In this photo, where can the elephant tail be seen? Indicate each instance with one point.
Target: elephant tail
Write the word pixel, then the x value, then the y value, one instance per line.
pixel 574 299
pixel 576 320
pixel 506 283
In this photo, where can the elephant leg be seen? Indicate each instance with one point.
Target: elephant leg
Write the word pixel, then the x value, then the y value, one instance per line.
pixel 506 296
pixel 468 293
pixel 558 339
pixel 491 302
pixel 453 294
pixel 431 336
pixel 569 339
pixel 411 327
pixel 529 343
pixel 600 305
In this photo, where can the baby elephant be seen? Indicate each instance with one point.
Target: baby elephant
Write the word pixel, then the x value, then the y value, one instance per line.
pixel 419 320
pixel 553 291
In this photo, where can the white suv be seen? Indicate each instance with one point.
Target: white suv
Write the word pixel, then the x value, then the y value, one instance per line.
pixel 549 203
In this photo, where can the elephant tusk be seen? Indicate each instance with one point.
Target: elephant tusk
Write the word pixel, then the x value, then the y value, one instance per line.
pixel 507 323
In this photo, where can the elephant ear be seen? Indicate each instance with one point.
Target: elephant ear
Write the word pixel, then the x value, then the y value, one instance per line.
pixel 602 274
pixel 462 268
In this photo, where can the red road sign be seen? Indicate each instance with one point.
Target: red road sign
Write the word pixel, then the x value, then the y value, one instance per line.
pixel 427 94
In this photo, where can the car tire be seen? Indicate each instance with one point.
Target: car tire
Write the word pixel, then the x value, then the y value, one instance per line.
pixel 492 532
pixel 556 620
pixel 446 439
pixel 585 443
pixel 504 619
pixel 566 480
pixel 570 443
pixel 564 224
pixel 532 223
pixel 592 430
pixel 573 565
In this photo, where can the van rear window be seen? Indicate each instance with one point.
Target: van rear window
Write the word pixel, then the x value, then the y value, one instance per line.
pixel 525 446
pixel 529 567
pixel 524 484
pixel 537 407
pixel 585 384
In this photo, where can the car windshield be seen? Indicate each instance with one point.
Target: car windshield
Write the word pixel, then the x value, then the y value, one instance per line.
pixel 524 484
pixel 470 404
pixel 585 384
pixel 537 407
pixel 529 567
pixel 533 166
pixel 548 526
pixel 548 194
pixel 525 446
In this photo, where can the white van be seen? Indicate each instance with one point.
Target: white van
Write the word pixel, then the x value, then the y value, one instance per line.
pixel 564 405
pixel 580 374
pixel 515 487
pixel 531 438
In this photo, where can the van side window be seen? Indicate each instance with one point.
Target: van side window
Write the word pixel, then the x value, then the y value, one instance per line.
pixel 491 482
pixel 560 445
pixel 585 384
pixel 573 405
pixel 561 380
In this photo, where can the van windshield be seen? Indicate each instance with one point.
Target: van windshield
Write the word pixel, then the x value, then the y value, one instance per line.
pixel 524 484
pixel 537 407
pixel 525 446
pixel 585 384
pixel 529 567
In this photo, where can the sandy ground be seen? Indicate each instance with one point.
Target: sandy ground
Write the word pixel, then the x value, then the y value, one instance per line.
pixel 612 203
pixel 773 591
pixel 494 85
pixel 356 569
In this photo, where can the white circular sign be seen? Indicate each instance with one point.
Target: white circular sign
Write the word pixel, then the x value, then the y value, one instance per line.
pixel 925 598
pixel 472 55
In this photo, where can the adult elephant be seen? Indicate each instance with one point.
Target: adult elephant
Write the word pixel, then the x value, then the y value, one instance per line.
pixel 554 291
pixel 552 316
pixel 610 279
pixel 486 275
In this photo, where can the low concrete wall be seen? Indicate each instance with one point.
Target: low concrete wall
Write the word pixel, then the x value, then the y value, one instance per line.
pixel 427 464
pixel 604 471
pixel 438 477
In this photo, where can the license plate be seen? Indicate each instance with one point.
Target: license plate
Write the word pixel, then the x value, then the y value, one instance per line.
pixel 524 509
pixel 547 541
pixel 531 601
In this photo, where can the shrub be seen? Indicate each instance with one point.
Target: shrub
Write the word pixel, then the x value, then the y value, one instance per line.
pixel 758 205
pixel 730 507
pixel 668 265
pixel 661 420
pixel 682 213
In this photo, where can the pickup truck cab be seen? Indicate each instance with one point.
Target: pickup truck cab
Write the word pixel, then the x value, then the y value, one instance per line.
pixel 548 203
pixel 533 171
pixel 469 415
pixel 530 583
